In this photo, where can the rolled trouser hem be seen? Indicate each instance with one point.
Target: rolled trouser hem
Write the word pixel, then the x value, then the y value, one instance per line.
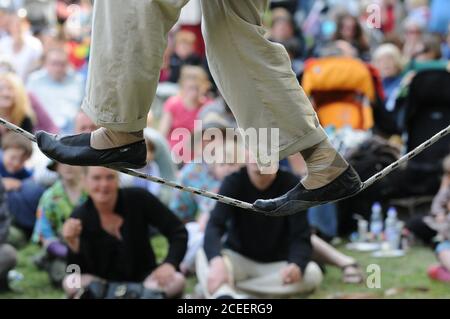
pixel 302 143
pixel 137 125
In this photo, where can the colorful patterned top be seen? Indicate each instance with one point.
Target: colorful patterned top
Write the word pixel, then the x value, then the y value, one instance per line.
pixel 53 210
pixel 186 205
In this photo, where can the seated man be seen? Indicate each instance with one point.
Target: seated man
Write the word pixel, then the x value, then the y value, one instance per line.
pixel 261 255
pixel 108 237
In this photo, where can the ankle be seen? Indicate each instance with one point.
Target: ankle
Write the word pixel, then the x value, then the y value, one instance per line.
pixel 104 138
pixel 324 165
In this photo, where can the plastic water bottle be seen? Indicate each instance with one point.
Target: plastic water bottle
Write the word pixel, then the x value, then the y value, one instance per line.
pixel 362 230
pixel 14 280
pixel 392 233
pixel 376 221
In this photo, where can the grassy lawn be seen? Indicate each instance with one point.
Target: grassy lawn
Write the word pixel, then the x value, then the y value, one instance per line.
pixel 403 277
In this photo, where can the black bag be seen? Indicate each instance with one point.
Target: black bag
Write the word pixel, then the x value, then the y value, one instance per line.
pixel 119 290
pixel 368 158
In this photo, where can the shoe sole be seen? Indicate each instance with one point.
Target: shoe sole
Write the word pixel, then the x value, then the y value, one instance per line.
pixel 122 165
pixel 303 205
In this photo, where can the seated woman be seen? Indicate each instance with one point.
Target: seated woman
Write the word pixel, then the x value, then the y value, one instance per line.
pixel 108 238
pixel 42 119
pixel 15 105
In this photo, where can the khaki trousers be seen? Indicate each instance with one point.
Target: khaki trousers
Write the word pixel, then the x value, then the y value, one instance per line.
pixel 254 279
pixel 253 74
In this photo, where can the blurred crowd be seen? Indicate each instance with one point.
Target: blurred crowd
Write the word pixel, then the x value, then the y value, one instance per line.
pixel 377 73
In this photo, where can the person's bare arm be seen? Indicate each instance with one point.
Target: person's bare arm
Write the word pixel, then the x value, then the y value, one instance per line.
pixel 165 124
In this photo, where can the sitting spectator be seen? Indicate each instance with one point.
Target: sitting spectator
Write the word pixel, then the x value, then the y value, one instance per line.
pixel 16 150
pixel 350 30
pixel 180 112
pixel 14 103
pixel 283 30
pixel 24 50
pixel 42 119
pixel 55 207
pixel 184 54
pixel 414 32
pixel 108 237
pixel 205 173
pixel 8 257
pixel 23 192
pixel 250 261
pixel 58 88
pixel 388 60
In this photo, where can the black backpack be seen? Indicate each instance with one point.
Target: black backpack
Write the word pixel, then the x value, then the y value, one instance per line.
pixel 368 158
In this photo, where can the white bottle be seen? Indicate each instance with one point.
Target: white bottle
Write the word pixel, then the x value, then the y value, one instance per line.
pixel 376 220
pixel 392 232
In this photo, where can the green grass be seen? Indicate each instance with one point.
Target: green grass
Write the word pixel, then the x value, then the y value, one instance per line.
pixel 403 277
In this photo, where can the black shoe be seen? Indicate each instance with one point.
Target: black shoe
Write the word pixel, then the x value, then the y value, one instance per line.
pixel 300 199
pixel 76 150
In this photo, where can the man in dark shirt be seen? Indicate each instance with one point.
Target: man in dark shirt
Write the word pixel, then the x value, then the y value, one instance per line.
pixel 260 255
pixel 108 237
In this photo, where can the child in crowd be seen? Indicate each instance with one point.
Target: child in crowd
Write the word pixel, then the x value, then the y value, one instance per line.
pixel 23 193
pixel 180 112
pixel 55 207
pixel 16 150
pixel 184 54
